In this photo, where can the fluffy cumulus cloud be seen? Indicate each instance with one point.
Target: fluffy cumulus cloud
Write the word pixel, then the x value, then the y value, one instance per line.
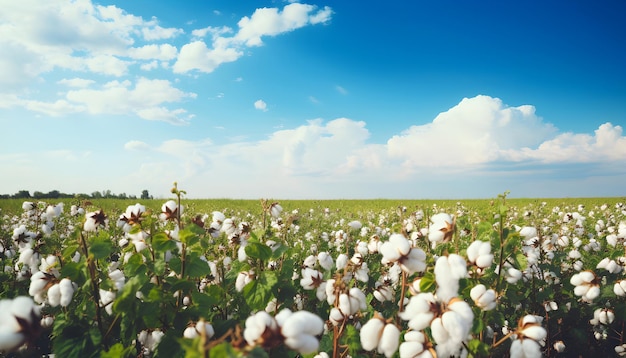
pixel 481 137
pixel 100 49
pixel 197 55
pixel 74 35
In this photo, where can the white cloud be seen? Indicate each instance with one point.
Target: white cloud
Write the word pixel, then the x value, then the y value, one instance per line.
pixel 479 143
pixel 159 33
pixel 163 52
pixel 271 21
pixel 73 35
pixel 146 99
pixel 260 105
pixel 197 55
pixel 475 131
pixel 76 82
pixel 136 145
pixel 606 145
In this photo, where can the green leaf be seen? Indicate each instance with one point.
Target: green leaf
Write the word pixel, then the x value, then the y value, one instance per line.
pixel 223 350
pixel 259 251
pixel 427 282
pixel 188 237
pixel 259 292
pixel 196 267
pixel 118 350
pixel 477 348
pixel 101 247
pixel 162 243
pixel 169 345
pixel 126 299
pixel 279 251
pixel 204 301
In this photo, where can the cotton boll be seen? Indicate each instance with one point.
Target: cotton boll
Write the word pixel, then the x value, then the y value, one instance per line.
pixel 325 260
pixel 54 295
pixel 67 292
pixel 371 332
pixel 389 340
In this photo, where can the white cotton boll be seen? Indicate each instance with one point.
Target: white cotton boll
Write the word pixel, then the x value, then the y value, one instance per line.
pixel 582 278
pixel 67 292
pixel 358 299
pixel 304 344
pixel 620 288
pixel 513 275
pixel 106 300
pixel 335 316
pixel 355 225
pixel 531 349
pixel 241 254
pixel 282 316
pixel 528 232
pixel 371 332
pixel 581 290
pixel 309 261
pixel 344 304
pixel 310 278
pixel 54 295
pixel 300 329
pixel 413 345
pixel 447 282
pixel 342 261
pixel 256 325
pixel 417 312
pixel 458 266
pixel 383 293
pixel 415 261
pixel 454 325
pixel 190 333
pixel 516 350
pixel 218 217
pixel 559 346
pixel 534 332
pixel 592 293
pixel 440 334
pixel 243 278
pixel 389 340
pixel 483 298
pixel 38 282
pixel 325 260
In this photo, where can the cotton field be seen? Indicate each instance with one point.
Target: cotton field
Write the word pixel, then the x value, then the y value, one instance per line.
pixel 491 278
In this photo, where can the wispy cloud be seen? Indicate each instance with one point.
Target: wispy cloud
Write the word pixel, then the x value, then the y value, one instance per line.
pixel 341 90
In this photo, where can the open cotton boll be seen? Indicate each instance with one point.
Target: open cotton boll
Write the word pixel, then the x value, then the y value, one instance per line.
pixel 54 295
pixel 418 311
pixel 370 333
pixel 67 292
pixel 389 340
pixel 300 329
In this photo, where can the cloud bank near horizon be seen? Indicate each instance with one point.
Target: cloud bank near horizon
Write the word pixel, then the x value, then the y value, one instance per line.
pixel 478 138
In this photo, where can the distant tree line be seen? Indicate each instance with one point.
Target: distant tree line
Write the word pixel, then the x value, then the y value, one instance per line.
pixel 55 194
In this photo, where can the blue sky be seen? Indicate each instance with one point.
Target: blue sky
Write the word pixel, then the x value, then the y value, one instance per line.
pixel 335 99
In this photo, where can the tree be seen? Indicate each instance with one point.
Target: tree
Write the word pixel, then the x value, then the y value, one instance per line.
pixel 145 194
pixel 22 194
